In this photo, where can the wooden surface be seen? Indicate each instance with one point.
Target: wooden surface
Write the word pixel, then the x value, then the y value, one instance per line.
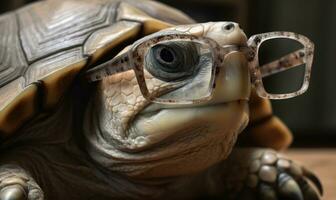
pixel 323 163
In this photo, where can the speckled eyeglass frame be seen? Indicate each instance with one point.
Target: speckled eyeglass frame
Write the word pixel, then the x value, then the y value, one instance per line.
pixel 302 56
pixel 133 59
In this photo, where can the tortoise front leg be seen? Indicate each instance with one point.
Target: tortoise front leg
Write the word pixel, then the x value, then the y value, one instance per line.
pixel 255 173
pixel 17 184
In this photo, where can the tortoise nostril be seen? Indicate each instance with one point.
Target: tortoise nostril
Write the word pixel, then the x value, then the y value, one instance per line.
pixel 228 27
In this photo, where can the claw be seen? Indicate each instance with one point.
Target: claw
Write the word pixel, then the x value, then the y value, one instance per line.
pixel 312 177
pixel 288 188
pixel 13 192
pixel 308 192
pixel 266 192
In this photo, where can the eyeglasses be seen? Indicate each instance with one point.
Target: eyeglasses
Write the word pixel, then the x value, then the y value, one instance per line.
pixel 182 68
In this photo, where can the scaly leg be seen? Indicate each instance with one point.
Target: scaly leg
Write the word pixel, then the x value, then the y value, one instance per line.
pixel 17 184
pixel 256 173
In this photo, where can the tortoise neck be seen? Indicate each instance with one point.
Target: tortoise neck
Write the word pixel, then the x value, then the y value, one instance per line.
pixel 115 166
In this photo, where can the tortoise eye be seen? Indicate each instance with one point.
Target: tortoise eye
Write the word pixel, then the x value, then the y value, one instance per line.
pixel 167 59
pixel 172 61
pixel 165 55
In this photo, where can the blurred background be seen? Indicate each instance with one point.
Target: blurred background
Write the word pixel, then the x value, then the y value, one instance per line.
pixel 312 116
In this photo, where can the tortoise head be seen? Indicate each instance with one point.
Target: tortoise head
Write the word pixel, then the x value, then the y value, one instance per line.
pixel 149 132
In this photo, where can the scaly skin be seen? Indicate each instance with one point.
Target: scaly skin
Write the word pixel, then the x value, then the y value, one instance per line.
pixel 256 173
pixel 134 149
pixel 120 107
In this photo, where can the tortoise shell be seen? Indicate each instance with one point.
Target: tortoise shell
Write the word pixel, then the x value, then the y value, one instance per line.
pixel 44 45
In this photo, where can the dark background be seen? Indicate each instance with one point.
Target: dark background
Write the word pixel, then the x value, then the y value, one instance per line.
pixel 312 116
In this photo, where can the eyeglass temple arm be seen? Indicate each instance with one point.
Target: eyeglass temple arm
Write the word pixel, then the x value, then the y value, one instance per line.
pixel 114 66
pixel 287 62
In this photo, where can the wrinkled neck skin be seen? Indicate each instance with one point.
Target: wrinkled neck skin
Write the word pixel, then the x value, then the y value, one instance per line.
pixel 113 162
pixel 117 162
pixel 161 148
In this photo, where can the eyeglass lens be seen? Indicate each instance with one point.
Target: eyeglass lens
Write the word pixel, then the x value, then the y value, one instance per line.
pixel 287 81
pixel 179 70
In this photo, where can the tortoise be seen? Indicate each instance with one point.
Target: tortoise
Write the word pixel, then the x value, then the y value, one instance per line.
pixel 76 122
